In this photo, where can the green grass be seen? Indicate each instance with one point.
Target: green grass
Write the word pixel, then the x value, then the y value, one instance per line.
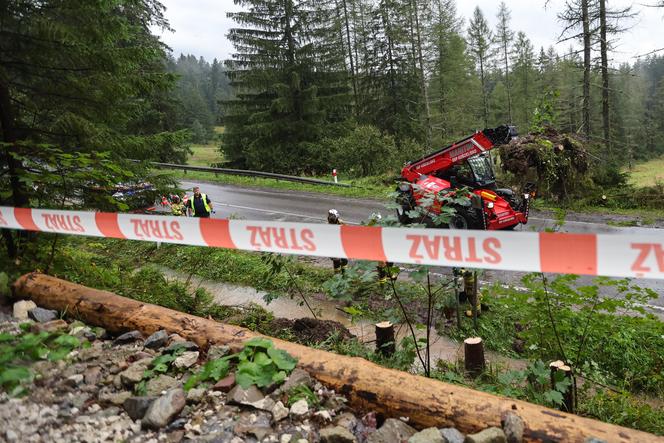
pixel 645 215
pixel 207 154
pixel 647 173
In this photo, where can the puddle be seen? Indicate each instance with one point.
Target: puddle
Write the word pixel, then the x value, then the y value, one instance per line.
pixel 442 347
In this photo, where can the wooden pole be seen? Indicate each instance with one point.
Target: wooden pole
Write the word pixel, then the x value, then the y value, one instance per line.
pixel 385 342
pixel 473 349
pixel 368 386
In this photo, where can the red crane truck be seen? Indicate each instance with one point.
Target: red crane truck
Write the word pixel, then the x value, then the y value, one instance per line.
pixel 465 163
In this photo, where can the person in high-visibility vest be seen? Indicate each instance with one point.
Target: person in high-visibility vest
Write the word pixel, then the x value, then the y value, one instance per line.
pixel 200 204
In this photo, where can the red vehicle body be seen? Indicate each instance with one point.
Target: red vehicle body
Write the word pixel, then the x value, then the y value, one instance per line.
pixel 465 163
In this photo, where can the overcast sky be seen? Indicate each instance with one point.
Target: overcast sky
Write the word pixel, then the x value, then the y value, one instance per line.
pixel 201 25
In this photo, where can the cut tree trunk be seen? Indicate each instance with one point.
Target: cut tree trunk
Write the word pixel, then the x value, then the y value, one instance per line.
pixel 385 343
pixel 368 386
pixel 568 395
pixel 473 349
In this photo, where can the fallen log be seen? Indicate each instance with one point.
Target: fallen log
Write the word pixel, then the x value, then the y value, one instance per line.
pixel 368 386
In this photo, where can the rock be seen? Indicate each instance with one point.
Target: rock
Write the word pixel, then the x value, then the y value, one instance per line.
pixel 138 356
pixel 513 427
pixel 134 373
pixel 225 384
pixel 489 435
pixel 184 345
pixel 247 396
pixel 51 326
pixel 118 398
pixel 136 407
pixel 195 395
pixel 92 375
pixel 348 421
pixel 296 378
pixel 75 380
pixel 324 416
pixel 164 409
pixel 41 315
pixel 266 404
pixel 218 351
pixel 285 438
pixel 177 424
pixel 594 440
pixel 21 309
pixel 257 424
pixel 337 434
pixel 162 383
pixel 128 337
pixel 173 338
pixel 11 436
pixel 186 360
pixel 429 435
pixel 392 430
pixel 156 340
pixel 299 408
pixel 335 403
pixel 452 435
pixel 279 411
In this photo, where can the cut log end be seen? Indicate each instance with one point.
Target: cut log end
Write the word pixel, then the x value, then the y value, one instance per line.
pixel 385 341
pixel 474 356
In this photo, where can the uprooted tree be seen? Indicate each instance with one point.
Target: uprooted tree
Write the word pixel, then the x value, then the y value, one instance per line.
pixel 557 163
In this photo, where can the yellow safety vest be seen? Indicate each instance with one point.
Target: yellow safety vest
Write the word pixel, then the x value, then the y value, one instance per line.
pixel 205 203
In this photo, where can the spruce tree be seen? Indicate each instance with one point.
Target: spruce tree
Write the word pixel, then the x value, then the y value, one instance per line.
pixel 392 96
pixel 480 40
pixel 289 81
pixel 504 37
pixel 524 77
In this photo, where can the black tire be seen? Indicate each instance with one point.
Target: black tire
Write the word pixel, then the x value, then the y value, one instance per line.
pixel 458 221
pixel 466 218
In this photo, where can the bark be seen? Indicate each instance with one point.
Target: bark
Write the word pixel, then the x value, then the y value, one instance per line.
pixel 585 18
pixel 385 342
pixel 605 76
pixel 393 393
pixel 423 81
pixel 9 135
pixel 473 350
pixel 485 107
pixel 507 82
pixel 350 52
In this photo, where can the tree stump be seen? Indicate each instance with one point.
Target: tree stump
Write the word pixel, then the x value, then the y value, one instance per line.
pixel 385 342
pixel 473 349
pixel 568 396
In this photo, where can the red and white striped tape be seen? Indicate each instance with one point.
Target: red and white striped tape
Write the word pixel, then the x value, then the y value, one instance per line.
pixel 612 255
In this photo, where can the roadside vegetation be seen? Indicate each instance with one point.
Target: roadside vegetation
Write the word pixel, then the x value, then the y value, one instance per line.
pixel 615 345
pixel 647 173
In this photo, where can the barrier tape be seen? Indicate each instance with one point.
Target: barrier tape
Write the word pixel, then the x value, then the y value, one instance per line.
pixel 613 255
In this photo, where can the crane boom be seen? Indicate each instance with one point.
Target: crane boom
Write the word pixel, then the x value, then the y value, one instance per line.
pixel 457 152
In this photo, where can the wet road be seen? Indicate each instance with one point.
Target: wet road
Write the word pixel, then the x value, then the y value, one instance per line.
pixel 287 205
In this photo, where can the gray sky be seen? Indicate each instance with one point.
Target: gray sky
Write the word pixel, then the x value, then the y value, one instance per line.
pixel 200 25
